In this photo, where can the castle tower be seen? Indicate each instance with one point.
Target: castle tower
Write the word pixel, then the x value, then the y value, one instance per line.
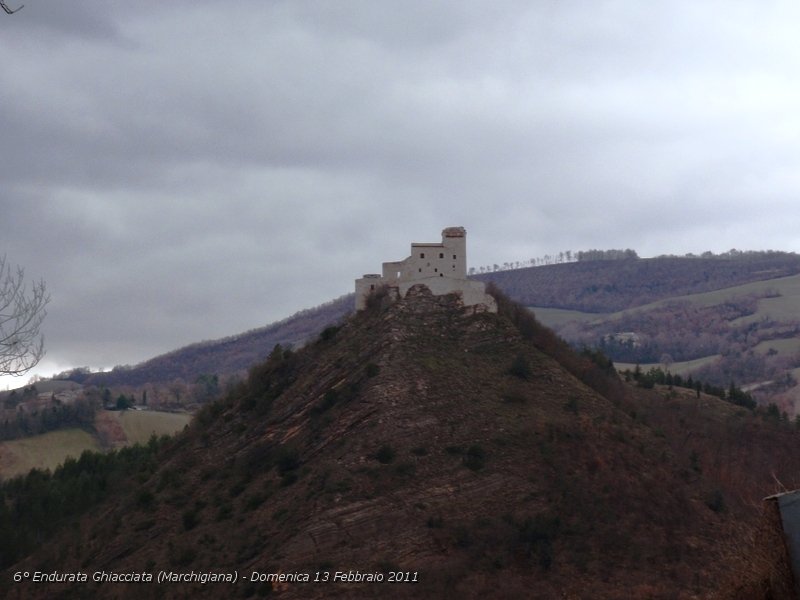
pixel 440 266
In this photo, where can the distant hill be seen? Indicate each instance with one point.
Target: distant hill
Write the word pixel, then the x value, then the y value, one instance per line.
pixel 475 455
pixel 228 355
pixel 732 318
pixel 604 286
pixel 585 302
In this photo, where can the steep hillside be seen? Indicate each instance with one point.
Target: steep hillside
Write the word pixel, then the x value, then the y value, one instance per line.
pixel 473 453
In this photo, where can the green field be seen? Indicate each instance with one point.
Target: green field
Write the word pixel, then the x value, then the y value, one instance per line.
pixel 678 368
pixel 139 425
pixel 45 451
pixel 555 317
pixel 49 450
pixel 784 307
pixel 784 347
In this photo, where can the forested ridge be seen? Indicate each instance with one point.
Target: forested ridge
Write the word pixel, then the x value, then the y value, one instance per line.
pixel 604 286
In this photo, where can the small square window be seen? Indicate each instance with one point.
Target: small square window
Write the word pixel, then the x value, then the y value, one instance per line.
pixel 454 256
pixel 422 255
pixel 441 254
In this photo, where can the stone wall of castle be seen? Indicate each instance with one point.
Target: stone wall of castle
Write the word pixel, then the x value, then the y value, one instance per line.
pixel 442 267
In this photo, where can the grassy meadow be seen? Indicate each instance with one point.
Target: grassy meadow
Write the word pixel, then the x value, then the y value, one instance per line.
pixel 48 450
pixel 45 451
pixel 139 425
pixel 677 368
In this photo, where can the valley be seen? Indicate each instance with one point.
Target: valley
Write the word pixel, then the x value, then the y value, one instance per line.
pixel 747 334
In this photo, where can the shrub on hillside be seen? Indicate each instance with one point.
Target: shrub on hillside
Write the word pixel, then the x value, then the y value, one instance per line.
pixel 475 457
pixel 385 454
pixel 520 367
pixel 544 339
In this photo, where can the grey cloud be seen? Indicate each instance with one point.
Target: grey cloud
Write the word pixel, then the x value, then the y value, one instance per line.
pixel 186 170
pixel 80 20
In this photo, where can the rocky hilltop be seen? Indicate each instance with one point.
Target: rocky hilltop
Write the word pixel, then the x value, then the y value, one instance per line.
pixel 472 453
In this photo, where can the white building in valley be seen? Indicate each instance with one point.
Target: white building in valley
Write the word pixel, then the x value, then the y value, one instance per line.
pixel 442 267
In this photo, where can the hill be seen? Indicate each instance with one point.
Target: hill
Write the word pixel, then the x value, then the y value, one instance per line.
pixel 605 286
pixel 228 355
pixel 561 294
pixel 729 318
pixel 748 334
pixel 474 454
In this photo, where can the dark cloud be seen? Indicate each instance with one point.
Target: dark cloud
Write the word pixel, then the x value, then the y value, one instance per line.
pixel 186 170
pixel 55 23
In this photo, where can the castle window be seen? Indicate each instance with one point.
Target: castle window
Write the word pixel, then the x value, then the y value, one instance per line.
pixel 422 255
pixel 436 270
pixel 441 254
pixel 420 269
pixel 441 274
pixel 454 256
pixel 372 287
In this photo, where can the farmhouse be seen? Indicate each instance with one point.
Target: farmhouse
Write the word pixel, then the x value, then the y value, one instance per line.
pixel 442 267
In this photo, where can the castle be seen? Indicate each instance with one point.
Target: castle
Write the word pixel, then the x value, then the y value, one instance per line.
pixel 441 267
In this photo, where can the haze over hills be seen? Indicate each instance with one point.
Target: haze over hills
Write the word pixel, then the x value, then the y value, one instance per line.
pixel 740 325
pixel 475 452
pixel 232 354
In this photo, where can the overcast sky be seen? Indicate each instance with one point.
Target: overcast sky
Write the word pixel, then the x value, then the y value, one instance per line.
pixel 185 170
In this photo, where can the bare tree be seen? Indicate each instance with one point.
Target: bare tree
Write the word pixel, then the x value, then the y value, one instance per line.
pixel 9 11
pixel 21 314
